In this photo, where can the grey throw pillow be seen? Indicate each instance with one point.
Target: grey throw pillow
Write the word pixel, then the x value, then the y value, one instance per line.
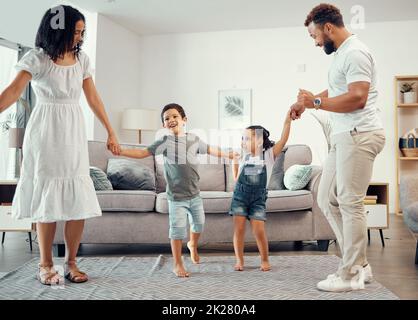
pixel 297 177
pixel 277 175
pixel 100 180
pixel 127 174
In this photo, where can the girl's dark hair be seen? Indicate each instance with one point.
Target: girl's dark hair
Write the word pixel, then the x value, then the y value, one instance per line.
pixel 56 34
pixel 176 106
pixel 267 143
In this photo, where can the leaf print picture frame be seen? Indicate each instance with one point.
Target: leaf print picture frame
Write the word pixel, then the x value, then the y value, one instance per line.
pixel 234 108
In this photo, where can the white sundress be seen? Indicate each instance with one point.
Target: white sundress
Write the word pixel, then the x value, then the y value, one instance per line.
pixel 55 183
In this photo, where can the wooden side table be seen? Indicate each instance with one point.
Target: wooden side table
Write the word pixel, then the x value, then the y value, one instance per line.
pixel 7 223
pixel 378 213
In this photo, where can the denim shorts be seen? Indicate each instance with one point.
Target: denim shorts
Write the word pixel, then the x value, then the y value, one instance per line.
pixel 181 211
pixel 249 202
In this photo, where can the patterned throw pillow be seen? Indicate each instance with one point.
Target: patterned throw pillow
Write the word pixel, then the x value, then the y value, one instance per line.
pixel 100 180
pixel 297 177
pixel 127 174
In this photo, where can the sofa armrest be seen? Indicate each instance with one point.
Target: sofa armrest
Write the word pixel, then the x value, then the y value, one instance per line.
pixel 315 178
pixel 321 228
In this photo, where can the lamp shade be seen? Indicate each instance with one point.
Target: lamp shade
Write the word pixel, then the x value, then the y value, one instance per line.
pixel 16 137
pixel 139 119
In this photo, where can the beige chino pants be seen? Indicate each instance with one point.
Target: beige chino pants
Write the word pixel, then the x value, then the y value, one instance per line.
pixel 345 178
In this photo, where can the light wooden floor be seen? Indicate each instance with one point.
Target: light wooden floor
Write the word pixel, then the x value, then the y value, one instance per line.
pixel 393 266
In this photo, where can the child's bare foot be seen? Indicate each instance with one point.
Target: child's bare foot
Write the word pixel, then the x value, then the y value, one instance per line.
pixel 265 266
pixel 180 272
pixel 193 253
pixel 239 266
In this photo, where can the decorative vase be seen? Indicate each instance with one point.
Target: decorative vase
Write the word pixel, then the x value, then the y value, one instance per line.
pixel 410 97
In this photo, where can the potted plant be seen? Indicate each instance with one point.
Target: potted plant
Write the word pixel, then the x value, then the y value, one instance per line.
pixel 409 96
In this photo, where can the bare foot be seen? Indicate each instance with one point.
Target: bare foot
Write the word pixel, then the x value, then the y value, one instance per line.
pixel 265 266
pixel 239 266
pixel 180 272
pixel 193 253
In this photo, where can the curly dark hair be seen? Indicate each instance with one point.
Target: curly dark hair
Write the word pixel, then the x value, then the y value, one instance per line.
pixel 267 143
pixel 325 13
pixel 56 41
pixel 176 106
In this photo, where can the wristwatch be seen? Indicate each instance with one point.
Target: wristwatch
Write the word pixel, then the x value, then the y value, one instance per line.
pixel 317 103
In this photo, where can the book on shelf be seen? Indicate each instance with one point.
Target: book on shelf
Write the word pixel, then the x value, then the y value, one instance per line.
pixel 370 201
pixel 370 197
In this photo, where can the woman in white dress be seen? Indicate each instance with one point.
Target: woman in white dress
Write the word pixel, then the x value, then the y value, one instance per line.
pixel 55 184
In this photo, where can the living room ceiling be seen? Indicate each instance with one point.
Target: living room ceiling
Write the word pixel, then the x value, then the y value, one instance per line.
pixel 148 17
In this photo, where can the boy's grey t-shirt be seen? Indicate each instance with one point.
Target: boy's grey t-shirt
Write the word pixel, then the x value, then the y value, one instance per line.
pixel 180 164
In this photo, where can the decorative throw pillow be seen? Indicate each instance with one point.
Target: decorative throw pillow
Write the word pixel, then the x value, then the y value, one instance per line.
pixel 127 174
pixel 100 180
pixel 297 177
pixel 277 175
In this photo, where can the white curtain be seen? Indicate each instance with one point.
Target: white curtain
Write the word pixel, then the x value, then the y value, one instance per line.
pixel 8 59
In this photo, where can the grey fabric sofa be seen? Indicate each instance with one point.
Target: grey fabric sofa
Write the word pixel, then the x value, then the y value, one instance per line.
pixel 141 217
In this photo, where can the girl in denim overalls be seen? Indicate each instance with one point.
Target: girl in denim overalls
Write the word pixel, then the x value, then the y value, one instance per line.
pixel 251 173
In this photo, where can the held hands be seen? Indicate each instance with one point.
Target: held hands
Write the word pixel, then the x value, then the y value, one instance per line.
pixel 113 144
pixel 233 155
pixel 296 111
pixel 306 98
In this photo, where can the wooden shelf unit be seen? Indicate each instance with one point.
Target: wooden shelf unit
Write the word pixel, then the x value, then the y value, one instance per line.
pixel 402 107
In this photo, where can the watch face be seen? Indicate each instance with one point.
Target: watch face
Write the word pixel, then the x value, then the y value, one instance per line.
pixel 317 101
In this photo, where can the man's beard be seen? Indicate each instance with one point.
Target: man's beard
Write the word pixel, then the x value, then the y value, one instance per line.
pixel 329 46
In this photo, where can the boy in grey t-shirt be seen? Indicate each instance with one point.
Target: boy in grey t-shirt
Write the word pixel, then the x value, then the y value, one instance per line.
pixel 180 151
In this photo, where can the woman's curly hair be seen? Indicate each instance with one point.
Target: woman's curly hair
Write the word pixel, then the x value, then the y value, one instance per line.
pixel 325 13
pixel 57 41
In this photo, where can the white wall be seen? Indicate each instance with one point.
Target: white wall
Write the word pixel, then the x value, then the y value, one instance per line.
pixel 19 19
pixel 117 76
pixel 191 68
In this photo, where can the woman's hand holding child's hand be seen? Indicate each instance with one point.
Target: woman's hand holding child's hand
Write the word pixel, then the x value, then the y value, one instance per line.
pixel 113 145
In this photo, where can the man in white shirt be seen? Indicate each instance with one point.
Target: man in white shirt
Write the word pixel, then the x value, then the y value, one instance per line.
pixel 357 138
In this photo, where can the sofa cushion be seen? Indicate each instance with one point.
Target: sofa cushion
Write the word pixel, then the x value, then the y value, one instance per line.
pixel 211 172
pixel 213 202
pixel 99 178
pixel 126 174
pixel 127 200
pixel 99 155
pixel 297 154
pixel 220 202
pixel 287 200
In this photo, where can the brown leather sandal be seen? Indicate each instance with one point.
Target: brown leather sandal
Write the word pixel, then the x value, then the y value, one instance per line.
pixel 75 275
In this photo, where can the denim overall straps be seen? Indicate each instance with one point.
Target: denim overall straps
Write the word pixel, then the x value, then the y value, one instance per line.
pixel 252 178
